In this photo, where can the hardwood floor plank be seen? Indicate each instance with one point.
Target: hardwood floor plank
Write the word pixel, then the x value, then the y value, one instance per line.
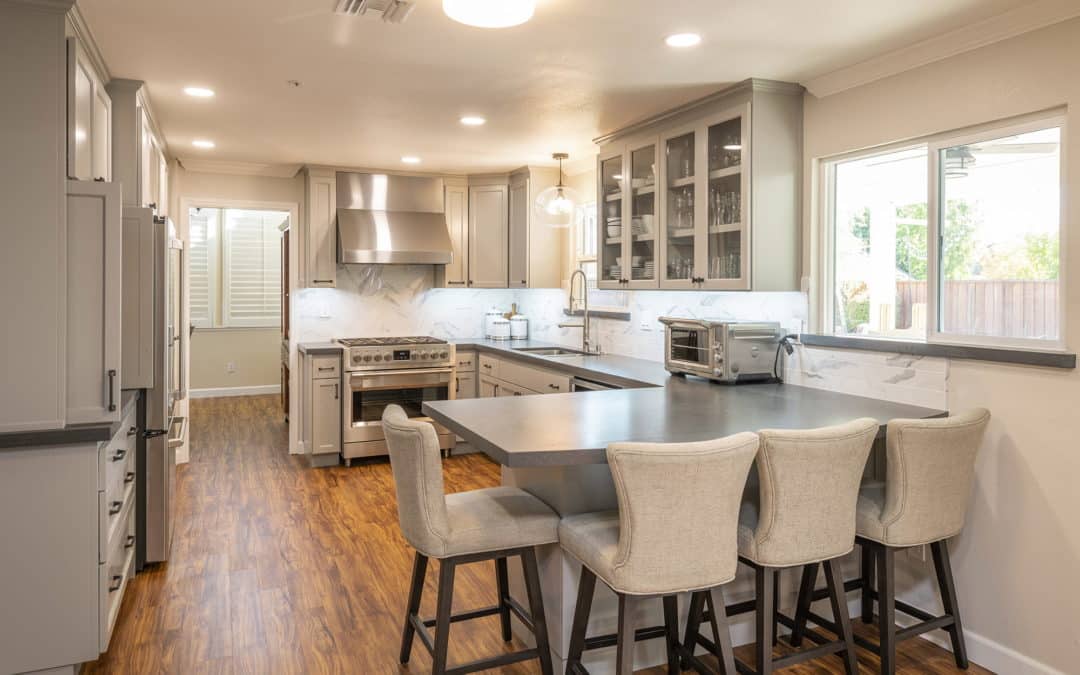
pixel 282 569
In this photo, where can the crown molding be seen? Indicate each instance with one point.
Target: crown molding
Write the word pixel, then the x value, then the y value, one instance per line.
pixel 1009 24
pixel 86 36
pixel 239 168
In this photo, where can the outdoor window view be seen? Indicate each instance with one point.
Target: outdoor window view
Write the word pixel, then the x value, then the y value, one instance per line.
pixel 998 247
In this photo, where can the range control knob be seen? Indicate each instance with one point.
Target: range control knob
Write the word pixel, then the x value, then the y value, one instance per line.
pixel 416 356
pixel 356 358
pixel 425 355
pixel 444 355
pixel 367 358
pixel 388 356
pixel 378 357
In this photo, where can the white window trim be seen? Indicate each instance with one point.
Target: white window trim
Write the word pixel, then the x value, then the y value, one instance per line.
pixel 825 171
pixel 188 203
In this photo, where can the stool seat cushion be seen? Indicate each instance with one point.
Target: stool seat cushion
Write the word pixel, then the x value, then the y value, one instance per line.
pixel 494 519
pixel 593 539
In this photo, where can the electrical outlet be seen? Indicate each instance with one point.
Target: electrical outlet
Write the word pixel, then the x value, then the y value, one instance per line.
pixel 645 325
pixel 324 311
pixel 230 367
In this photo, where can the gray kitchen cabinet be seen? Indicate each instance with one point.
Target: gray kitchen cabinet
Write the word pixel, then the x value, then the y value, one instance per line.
pixel 94 295
pixel 318 268
pixel 508 377
pixel 465 385
pixel 139 236
pixel 89 114
pixel 488 236
pixel 707 196
pixel 456 274
pixel 487 387
pixel 535 247
pixel 138 147
pixel 320 407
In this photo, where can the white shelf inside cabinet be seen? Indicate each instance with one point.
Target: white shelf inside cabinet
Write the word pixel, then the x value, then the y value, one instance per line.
pixel 681 182
pixel 725 228
pixel 724 173
pixel 645 190
pixel 615 241
pixel 644 237
pixel 684 233
pixel 613 197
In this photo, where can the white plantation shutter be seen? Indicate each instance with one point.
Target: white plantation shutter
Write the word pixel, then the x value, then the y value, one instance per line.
pixel 251 268
pixel 202 245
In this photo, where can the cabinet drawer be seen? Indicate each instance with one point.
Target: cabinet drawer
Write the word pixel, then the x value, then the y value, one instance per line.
pixel 507 389
pixel 466 362
pixel 465 385
pixel 119 468
pixel 114 574
pixel 542 381
pixel 489 366
pixel 325 367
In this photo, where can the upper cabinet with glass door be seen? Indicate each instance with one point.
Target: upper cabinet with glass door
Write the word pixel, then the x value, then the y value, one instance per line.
pixel 628 204
pixel 726 212
pixel 89 134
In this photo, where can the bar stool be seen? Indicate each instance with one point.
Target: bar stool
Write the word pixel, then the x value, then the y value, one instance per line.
pixel 675 531
pixel 803 515
pixel 465 527
pixel 930 474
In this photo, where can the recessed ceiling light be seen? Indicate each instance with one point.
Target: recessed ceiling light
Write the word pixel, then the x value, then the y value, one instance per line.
pixel 199 92
pixel 204 144
pixel 473 121
pixel 408 159
pixel 490 13
pixel 683 40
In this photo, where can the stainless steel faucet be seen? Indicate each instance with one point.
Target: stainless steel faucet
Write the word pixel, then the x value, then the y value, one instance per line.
pixel 584 325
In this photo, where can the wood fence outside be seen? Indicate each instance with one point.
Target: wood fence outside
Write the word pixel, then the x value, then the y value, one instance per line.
pixel 1020 309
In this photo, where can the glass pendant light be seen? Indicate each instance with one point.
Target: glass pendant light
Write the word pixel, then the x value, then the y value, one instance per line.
pixel 555 205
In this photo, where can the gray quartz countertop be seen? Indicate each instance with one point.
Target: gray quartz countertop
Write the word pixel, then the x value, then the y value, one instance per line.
pixel 76 434
pixel 576 428
pixel 319 348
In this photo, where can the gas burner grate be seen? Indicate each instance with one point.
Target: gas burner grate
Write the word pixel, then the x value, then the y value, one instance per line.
pixel 385 341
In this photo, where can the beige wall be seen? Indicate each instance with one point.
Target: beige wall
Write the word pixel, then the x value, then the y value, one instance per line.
pixel 1016 561
pixel 256 353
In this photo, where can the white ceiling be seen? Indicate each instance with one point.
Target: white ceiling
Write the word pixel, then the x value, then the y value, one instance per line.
pixel 373 92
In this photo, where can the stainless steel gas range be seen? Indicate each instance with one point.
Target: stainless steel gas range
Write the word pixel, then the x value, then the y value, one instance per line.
pixel 381 371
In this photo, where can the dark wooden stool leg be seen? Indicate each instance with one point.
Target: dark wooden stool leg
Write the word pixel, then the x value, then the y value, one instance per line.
pixel 693 625
pixel 776 607
pixel 586 587
pixel 671 625
pixel 624 660
pixel 721 630
pixel 943 567
pixel 502 579
pixel 802 606
pixel 442 616
pixel 416 592
pixel 886 583
pixel 866 555
pixel 840 615
pixel 765 606
pixel 536 606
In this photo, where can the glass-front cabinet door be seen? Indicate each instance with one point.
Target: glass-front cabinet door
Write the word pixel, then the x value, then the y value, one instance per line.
pixel 639 256
pixel 681 191
pixel 726 263
pixel 609 201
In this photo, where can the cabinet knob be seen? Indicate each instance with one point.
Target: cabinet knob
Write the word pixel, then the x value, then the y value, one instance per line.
pixel 120 454
pixel 130 541
pixel 555 387
pixel 114 508
pixel 129 476
pixel 132 431
pixel 117 581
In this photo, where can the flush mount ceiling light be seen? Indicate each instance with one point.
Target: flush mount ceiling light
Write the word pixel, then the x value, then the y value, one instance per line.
pixel 490 13
pixel 199 92
pixel 473 121
pixel 409 159
pixel 203 144
pixel 683 40
pixel 555 205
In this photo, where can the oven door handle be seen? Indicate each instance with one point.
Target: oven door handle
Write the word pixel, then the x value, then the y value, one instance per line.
pixel 400 378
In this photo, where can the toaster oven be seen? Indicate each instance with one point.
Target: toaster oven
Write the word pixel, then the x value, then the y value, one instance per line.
pixel 724 351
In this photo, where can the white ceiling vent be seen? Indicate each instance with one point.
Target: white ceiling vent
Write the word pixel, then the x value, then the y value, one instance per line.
pixel 392 11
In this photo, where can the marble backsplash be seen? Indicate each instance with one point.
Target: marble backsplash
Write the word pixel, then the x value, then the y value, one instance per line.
pixel 401 300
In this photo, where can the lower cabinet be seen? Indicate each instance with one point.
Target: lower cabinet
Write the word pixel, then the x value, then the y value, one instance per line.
pixel 504 377
pixel 69 539
pixel 320 407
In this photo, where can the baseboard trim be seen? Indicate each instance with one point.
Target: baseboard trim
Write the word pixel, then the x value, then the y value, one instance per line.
pixel 220 392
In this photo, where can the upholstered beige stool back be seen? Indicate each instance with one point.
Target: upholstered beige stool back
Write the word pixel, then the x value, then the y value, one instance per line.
pixel 930 473
pixel 809 485
pixel 679 512
pixel 417 465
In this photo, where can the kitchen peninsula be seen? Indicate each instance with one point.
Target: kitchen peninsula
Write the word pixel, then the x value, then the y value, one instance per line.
pixel 554 447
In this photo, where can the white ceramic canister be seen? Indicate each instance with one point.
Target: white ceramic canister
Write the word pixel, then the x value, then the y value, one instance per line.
pixel 519 327
pixel 489 318
pixel 500 329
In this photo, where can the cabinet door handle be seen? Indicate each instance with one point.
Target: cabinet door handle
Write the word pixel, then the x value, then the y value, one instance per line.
pixel 488 366
pixel 114 508
pixel 457 385
pixel 524 282
pixel 112 390
pixel 323 369
pixel 555 387
pixel 132 431
pixel 517 393
pixel 129 477
pixel 130 541
pixel 117 581
pixel 336 392
pixel 120 454
pixel 322 281
pixel 455 283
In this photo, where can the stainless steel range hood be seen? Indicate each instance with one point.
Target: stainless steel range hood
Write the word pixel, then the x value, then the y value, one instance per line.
pixel 391 220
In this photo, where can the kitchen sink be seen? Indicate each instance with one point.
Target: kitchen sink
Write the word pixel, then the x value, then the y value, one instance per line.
pixel 548 351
